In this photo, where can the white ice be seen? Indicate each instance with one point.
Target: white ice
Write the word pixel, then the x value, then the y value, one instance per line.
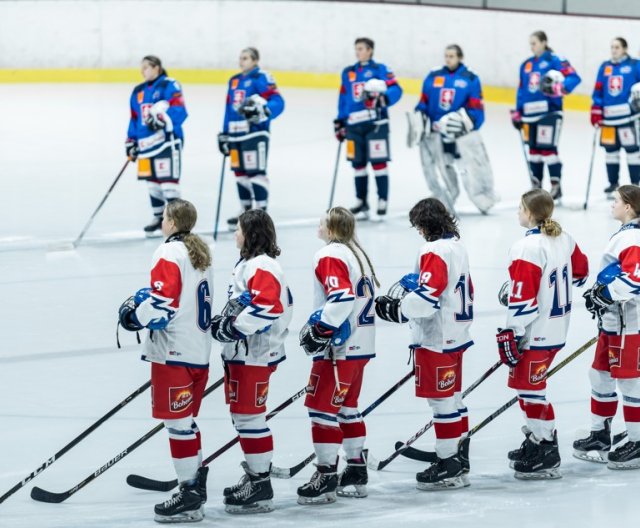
pixel 60 369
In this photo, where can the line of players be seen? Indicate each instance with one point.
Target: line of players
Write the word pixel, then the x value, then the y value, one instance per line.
pixel 437 301
pixel 450 110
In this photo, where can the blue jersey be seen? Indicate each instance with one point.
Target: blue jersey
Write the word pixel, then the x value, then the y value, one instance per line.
pixel 445 91
pixel 531 102
pixel 351 102
pixel 143 97
pixel 613 87
pixel 241 87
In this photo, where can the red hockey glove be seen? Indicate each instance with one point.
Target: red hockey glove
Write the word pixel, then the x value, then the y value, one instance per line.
pixel 508 347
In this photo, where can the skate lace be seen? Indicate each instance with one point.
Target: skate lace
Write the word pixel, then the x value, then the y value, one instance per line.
pixel 175 499
pixel 245 490
pixel 243 480
pixel 316 481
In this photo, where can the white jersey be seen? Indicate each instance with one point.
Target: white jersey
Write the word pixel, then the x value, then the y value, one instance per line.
pixel 264 323
pixel 624 248
pixel 440 310
pixel 343 293
pixel 542 270
pixel 181 299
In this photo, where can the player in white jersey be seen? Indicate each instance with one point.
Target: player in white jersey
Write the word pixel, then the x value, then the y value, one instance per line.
pixel 438 302
pixel 177 311
pixel 340 335
pixel 543 266
pixel 253 328
pixel 615 299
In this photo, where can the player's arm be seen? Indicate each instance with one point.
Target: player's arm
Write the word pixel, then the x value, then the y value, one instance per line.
pixel 597 96
pixel 579 265
pixel 525 279
pixel 177 110
pixel 626 285
pixel 343 97
pixel 268 90
pixel 474 104
pixel 333 275
pixel 265 306
pixel 571 77
pixel 164 296
pixel 423 104
pixel 520 92
pixel 394 90
pixel 433 279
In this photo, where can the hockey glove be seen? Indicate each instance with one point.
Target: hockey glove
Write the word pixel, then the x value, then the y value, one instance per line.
pixel 131 149
pixel 223 144
pixel 455 124
pixel 315 338
pixel 127 315
pixel 597 300
pixel 340 129
pixel 155 122
pixel 388 309
pixel 596 115
pixel 516 119
pixel 222 329
pixel 634 98
pixel 508 347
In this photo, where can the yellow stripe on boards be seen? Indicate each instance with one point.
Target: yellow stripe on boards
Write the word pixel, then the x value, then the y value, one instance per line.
pixel 286 79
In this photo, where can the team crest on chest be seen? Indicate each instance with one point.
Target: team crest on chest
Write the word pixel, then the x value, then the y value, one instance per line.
pixel 615 84
pixel 357 89
pixel 534 82
pixel 446 98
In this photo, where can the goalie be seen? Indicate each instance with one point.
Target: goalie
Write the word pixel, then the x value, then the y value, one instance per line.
pixel 445 126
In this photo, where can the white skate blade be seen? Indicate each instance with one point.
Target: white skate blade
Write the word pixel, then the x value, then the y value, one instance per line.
pixel 327 498
pixel 543 474
pixel 354 491
pixel 264 506
pixel 444 484
pixel 184 517
pixel 599 457
pixel 465 480
pixel 629 464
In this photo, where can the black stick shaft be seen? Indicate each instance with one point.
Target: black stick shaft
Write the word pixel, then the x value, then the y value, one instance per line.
pixel 104 199
pixel 75 441
pixel 593 155
pixel 45 496
pixel 220 187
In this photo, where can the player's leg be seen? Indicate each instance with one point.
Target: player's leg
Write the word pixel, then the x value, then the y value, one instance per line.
pixel 536 162
pixel 247 391
pixel 258 175
pixel 540 456
pixel 547 137
pixel 604 403
pixel 357 155
pixel 156 197
pixel 464 416
pixel 352 481
pixel 378 154
pixel 176 395
pixel 323 402
pixel 436 380
pixel 243 183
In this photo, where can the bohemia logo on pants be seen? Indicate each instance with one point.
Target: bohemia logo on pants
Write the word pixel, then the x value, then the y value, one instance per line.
pixel 614 358
pixel 445 378
pixel 313 384
pixel 537 372
pixel 232 390
pixel 262 391
pixel 180 398
pixel 339 395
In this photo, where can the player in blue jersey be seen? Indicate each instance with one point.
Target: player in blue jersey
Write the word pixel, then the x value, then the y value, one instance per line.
pixel 451 108
pixel 545 78
pixel 367 89
pixel 612 112
pixel 253 101
pixel 155 135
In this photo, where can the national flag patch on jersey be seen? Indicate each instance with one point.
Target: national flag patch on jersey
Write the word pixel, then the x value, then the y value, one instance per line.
pixel 615 85
pixel 446 98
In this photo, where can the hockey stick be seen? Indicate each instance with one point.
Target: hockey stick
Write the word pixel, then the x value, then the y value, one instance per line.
pixel 526 156
pixel 140 482
pixel 104 199
pixel 286 473
pixel 42 495
pixel 217 223
pixel 463 447
pixel 378 465
pixel 75 441
pixel 335 176
pixel 593 155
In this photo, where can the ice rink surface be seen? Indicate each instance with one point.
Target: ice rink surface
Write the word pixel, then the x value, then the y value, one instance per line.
pixel 60 369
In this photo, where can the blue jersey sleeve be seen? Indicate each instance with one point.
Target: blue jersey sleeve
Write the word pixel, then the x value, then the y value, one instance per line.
pixel 423 104
pixel 474 105
pixel 343 103
pixel 132 131
pixel 597 96
pixel 394 90
pixel 177 110
pixel 268 90
pixel 571 77
pixel 521 88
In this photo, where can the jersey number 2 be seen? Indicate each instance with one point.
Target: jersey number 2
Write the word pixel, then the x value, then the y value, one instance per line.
pixel 204 306
pixel 364 288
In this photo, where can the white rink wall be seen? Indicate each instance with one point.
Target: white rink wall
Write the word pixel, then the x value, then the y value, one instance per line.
pixel 297 36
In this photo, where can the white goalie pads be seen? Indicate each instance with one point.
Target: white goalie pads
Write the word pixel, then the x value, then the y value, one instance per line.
pixel 441 176
pixel 475 171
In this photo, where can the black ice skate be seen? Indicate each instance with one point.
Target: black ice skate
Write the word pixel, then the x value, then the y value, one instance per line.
pixel 524 449
pixel 610 190
pixel 556 192
pixel 154 226
pixel 352 482
pixel 596 446
pixel 321 489
pixel 382 207
pixel 252 494
pixel 233 221
pixel 201 481
pixel 360 210
pixel 626 456
pixel 541 460
pixel 463 455
pixel 184 506
pixel 446 473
